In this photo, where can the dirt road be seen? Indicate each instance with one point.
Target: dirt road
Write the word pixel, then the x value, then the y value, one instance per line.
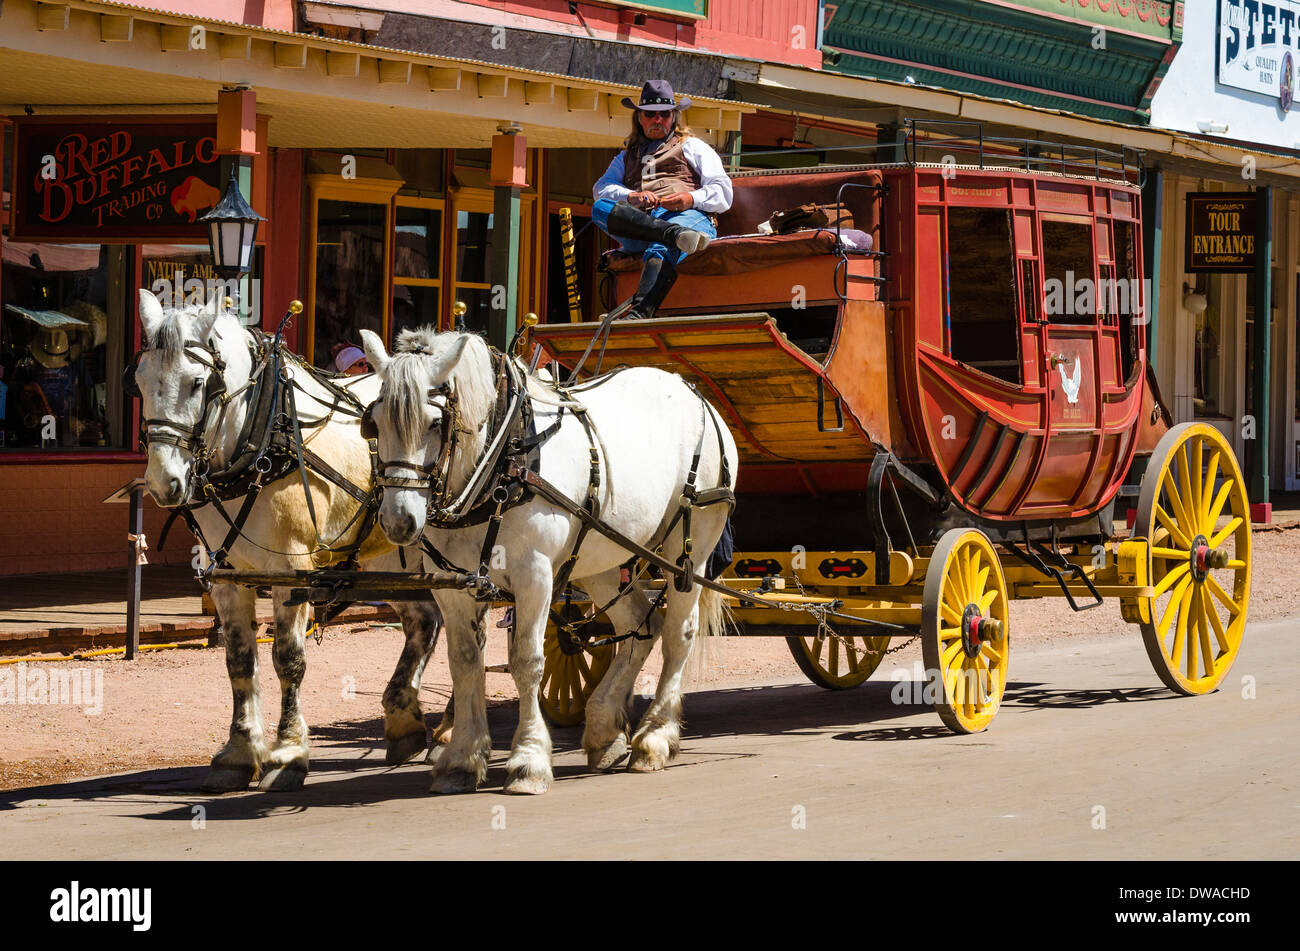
pixel 1089 758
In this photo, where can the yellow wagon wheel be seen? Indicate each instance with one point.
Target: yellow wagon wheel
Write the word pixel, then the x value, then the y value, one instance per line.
pixel 570 675
pixel 1194 510
pixel 836 664
pixel 965 630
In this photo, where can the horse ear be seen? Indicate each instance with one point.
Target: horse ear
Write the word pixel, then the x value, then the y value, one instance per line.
pixel 375 353
pixel 206 318
pixel 151 314
pixel 447 359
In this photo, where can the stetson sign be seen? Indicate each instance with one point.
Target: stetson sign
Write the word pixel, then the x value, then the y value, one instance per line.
pixel 115 180
pixel 1221 232
pixel 1259 41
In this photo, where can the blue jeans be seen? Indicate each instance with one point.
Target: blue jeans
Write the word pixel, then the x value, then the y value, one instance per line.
pixel 690 218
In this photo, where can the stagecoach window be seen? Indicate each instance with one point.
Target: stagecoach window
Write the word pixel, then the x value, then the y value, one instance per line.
pixel 983 329
pixel 63 343
pixel 1068 284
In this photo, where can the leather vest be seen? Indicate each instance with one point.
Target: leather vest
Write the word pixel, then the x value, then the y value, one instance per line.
pixel 667 172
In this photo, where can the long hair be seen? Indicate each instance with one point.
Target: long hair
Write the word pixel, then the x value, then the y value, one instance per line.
pixel 636 138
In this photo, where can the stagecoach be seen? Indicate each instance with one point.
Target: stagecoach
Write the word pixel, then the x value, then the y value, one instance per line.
pixel 937 405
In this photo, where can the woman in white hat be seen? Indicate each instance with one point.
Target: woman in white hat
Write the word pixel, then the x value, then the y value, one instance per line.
pixel 658 193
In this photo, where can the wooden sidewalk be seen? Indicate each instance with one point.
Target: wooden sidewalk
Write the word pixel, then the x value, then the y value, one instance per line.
pixel 49 613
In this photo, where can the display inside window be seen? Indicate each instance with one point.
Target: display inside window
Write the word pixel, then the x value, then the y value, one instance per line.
pixel 473 259
pixel 350 277
pixel 61 339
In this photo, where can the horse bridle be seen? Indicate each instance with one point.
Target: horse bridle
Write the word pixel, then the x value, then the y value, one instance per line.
pixel 189 438
pixel 432 476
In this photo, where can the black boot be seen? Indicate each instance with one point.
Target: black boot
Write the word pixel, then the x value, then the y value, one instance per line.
pixel 627 222
pixel 657 278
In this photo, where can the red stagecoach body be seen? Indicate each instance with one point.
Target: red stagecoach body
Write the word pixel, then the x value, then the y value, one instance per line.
pixel 991 336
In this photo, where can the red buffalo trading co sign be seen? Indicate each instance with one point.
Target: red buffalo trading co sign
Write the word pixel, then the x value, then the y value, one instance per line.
pixel 122 180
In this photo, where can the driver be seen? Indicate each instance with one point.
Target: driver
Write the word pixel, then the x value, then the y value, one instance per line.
pixel 658 193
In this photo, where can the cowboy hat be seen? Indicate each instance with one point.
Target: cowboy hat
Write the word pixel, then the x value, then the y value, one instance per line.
pixel 657 96
pixel 50 348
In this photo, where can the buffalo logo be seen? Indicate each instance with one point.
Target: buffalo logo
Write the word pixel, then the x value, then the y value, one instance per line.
pixel 192 196
pixel 1070 384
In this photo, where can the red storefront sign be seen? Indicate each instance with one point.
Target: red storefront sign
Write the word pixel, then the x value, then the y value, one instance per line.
pixel 114 180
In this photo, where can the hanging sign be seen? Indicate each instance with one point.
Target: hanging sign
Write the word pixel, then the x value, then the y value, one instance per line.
pixel 1220 232
pixel 115 180
pixel 1259 41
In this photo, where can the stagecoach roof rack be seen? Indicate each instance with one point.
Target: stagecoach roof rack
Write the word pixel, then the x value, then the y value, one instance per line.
pixel 923 140
pixel 1033 155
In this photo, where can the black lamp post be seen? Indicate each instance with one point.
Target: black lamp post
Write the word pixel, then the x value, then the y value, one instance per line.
pixel 232 231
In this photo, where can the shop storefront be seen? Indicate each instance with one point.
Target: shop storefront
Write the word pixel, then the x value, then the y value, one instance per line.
pixel 371 166
pixel 94 207
pixel 1232 89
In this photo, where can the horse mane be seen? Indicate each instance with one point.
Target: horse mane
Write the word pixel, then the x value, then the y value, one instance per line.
pixel 471 378
pixel 170 336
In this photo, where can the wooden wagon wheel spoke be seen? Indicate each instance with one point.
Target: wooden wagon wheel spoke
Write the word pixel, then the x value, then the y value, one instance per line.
pixel 569 677
pixel 1209 494
pixel 1193 481
pixel 1216 507
pixel 1216 622
pixel 1172 527
pixel 965 629
pixel 837 662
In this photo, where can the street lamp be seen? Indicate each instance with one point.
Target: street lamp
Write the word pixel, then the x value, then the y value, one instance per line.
pixel 232 230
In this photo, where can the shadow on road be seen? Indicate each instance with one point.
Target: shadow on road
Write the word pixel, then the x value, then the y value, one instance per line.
pixel 351 751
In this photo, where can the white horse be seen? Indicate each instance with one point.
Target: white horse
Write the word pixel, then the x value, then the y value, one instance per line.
pixel 187 349
pixel 649 426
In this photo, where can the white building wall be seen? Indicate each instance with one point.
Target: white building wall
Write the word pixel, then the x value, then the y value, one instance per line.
pixel 1190 99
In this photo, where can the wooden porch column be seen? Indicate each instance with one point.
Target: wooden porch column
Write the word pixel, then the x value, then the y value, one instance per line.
pixel 509 169
pixel 1261 509
pixel 1153 194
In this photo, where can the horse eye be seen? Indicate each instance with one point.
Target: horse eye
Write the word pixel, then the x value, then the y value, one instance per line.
pixel 198 384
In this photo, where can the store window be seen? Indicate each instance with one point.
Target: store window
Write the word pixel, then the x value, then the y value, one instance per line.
pixel 349 275
pixel 589 243
pixel 62 344
pixel 417 264
pixel 473 263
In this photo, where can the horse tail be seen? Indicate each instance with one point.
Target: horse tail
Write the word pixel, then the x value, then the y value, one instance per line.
pixel 715 615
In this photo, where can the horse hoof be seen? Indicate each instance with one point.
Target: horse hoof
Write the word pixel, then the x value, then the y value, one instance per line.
pixel 404 748
pixel 608 758
pixel 454 782
pixel 525 785
pixel 288 778
pixel 644 763
pixel 224 779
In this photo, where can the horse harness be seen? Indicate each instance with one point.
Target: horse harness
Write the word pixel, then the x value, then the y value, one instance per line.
pixel 269 447
pixel 507 475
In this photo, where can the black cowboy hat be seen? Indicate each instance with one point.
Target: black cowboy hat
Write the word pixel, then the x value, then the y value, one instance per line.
pixel 657 96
